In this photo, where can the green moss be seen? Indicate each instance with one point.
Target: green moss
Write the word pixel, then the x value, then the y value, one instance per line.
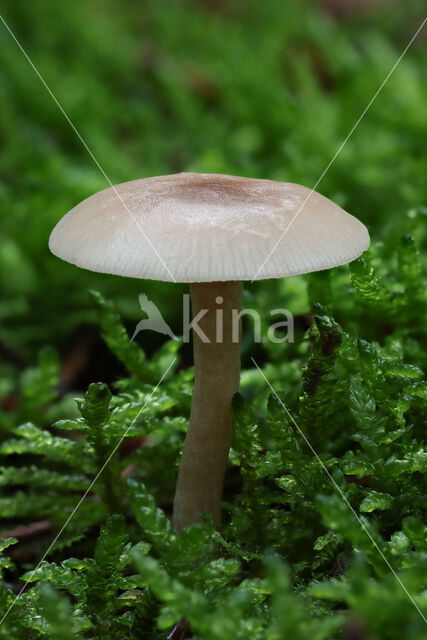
pixel 344 526
pixel 324 546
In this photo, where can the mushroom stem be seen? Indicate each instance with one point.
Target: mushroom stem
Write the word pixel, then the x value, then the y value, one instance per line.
pixel 217 373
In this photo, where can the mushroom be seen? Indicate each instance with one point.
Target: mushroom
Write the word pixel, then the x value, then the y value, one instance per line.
pixel 212 231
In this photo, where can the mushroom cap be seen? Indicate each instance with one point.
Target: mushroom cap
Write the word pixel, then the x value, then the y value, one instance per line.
pixel 199 227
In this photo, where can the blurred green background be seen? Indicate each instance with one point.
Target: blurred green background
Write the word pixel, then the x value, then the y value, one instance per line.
pixel 265 89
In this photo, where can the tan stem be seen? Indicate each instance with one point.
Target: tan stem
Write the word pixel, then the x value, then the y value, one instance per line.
pixel 217 373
